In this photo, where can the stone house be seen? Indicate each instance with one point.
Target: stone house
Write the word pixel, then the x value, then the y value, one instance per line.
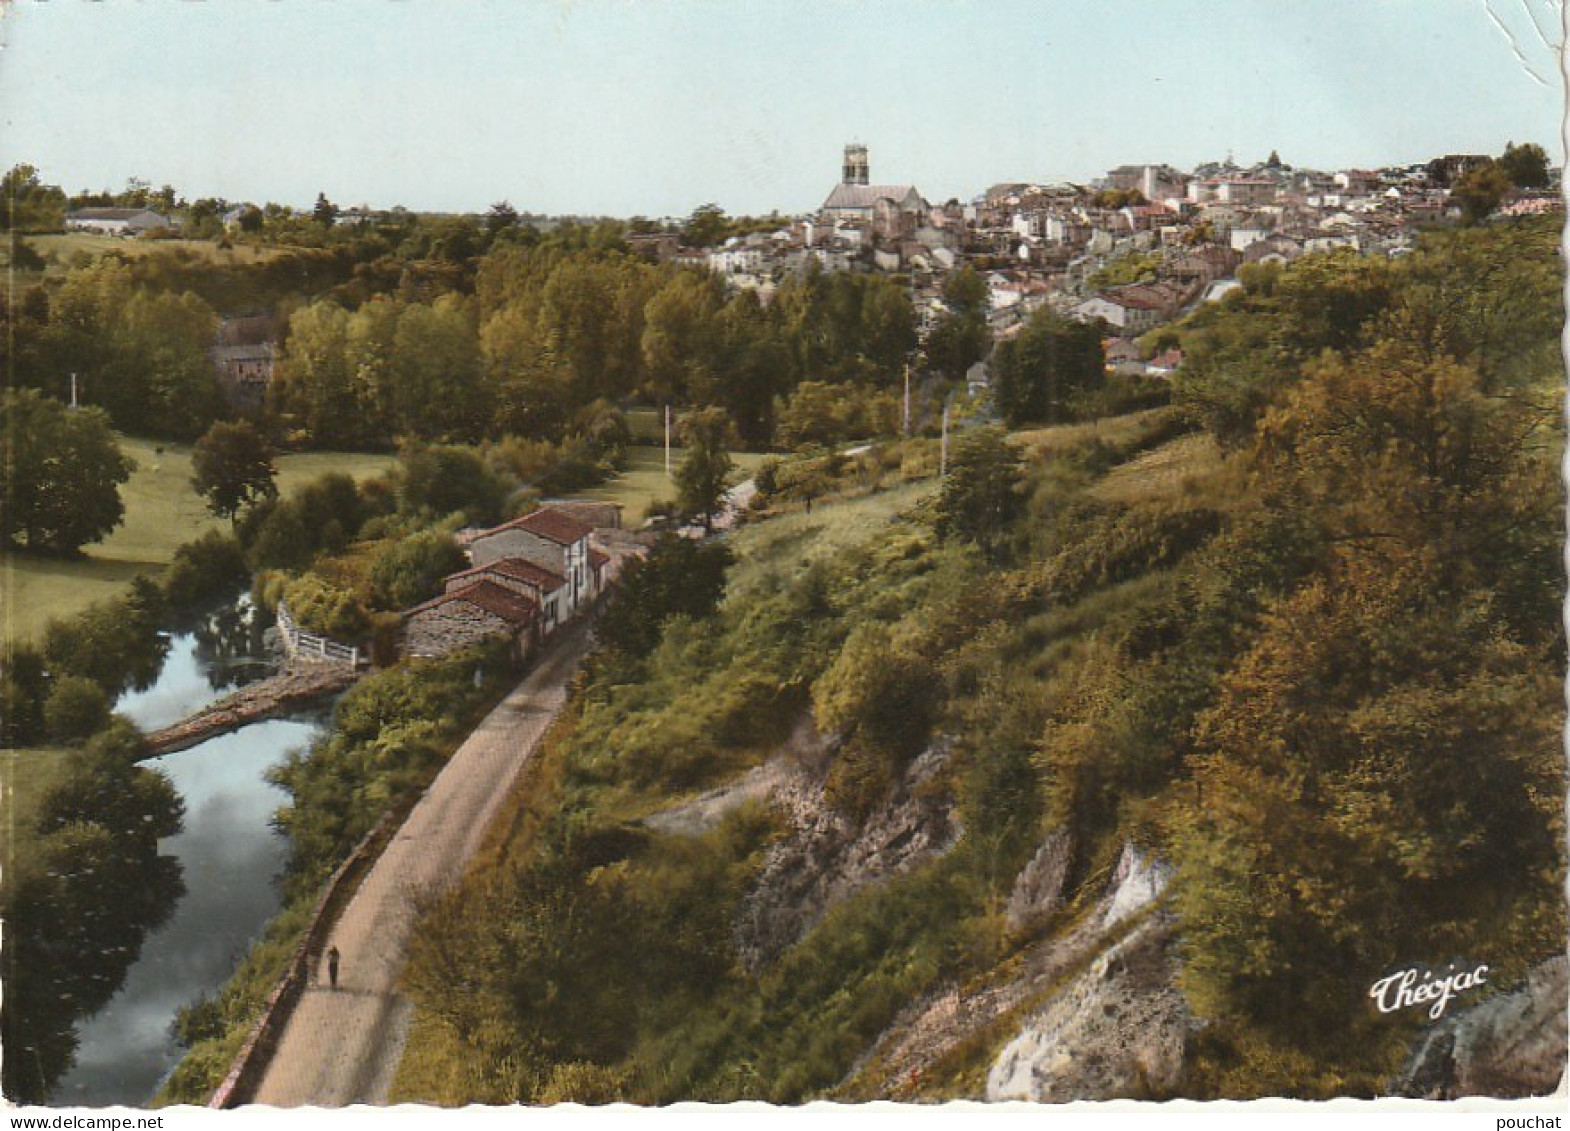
pixel 470 615
pixel 546 590
pixel 551 539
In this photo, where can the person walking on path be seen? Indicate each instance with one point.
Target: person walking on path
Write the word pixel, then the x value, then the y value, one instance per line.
pixel 332 967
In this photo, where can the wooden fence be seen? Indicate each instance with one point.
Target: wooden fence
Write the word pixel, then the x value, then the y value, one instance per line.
pixel 307 645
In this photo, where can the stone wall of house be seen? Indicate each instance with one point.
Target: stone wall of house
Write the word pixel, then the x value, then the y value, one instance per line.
pixel 449 627
pixel 519 544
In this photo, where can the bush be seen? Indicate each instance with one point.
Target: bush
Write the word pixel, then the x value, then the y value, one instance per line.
pixel 209 567
pixel 76 708
pixel 113 643
pixel 409 571
pixel 323 608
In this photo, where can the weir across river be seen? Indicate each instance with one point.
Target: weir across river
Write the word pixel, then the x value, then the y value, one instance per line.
pixel 300 682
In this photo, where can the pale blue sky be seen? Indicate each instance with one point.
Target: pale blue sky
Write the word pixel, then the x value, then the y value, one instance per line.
pixel 655 106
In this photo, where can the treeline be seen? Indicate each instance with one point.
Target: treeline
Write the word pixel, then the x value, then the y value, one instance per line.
pixel 1322 679
pixel 511 338
pixel 549 330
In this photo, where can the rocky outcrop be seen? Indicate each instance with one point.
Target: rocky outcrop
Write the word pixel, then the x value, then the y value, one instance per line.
pixel 1139 983
pixel 828 857
pixel 1136 884
pixel 1512 1045
pixel 1038 889
pixel 1117 1031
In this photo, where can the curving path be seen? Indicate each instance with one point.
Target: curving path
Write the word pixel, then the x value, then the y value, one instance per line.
pixel 342 1046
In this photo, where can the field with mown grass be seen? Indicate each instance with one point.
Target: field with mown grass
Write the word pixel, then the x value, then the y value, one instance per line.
pixel 643 481
pixel 162 512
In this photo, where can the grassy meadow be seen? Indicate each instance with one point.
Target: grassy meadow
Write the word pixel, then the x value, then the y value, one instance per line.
pixel 643 481
pixel 161 513
pixel 63 250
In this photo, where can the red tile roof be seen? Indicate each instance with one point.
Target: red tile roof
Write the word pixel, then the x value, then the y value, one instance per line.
pixel 519 570
pixel 514 608
pixel 550 524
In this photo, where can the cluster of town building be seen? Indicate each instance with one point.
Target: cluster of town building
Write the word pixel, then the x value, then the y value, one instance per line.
pixel 1036 244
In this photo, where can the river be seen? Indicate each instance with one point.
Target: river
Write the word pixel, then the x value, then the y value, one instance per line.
pixel 227 851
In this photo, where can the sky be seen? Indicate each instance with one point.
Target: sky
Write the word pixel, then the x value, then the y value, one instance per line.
pixel 653 107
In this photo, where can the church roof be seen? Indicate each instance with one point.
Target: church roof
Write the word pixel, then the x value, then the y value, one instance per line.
pixel 864 196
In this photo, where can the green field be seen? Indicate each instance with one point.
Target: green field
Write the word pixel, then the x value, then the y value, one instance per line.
pixel 25 776
pixel 161 513
pixel 62 250
pixel 643 481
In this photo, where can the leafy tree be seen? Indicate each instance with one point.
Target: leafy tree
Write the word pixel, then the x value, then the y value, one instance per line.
pixel 325 211
pixel 883 694
pixel 1480 190
pixel 436 372
pixel 705 466
pixel 981 496
pixel 76 707
pixel 965 292
pixel 410 570
pixel 679 577
pixel 312 385
pixel 1526 165
pixel 500 217
pixel 679 331
pixel 444 479
pixel 1380 779
pixel 60 473
pixel 27 204
pixel 706 226
pixel 957 342
pixel 234 468
pixel 331 610
pixel 1037 374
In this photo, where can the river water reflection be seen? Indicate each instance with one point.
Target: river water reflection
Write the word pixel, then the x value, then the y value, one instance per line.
pixel 229 856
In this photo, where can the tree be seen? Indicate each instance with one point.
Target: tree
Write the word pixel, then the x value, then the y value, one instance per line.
pixel 27 204
pixel 234 468
pixel 981 495
pixel 76 708
pixel 1037 374
pixel 1526 165
pixel 325 212
pixel 1479 190
pixel 60 473
pixel 706 226
pixel 408 571
pixel 680 577
pixel 701 475
pixel 500 217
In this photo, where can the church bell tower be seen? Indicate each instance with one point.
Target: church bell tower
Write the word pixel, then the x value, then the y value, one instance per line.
pixel 856 168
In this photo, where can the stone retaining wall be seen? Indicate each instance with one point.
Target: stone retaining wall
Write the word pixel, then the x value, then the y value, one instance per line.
pixel 250 1065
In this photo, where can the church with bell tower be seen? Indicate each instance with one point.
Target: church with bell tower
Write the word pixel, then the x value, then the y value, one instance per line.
pixel 856 198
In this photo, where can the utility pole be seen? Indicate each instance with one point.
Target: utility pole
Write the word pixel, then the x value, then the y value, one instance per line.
pixel 667 440
pixel 943 450
pixel 906 428
pixel 73 390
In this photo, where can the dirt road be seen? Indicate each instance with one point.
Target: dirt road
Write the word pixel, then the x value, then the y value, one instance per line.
pixel 342 1046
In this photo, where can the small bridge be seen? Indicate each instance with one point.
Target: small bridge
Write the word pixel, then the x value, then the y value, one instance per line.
pixel 300 682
